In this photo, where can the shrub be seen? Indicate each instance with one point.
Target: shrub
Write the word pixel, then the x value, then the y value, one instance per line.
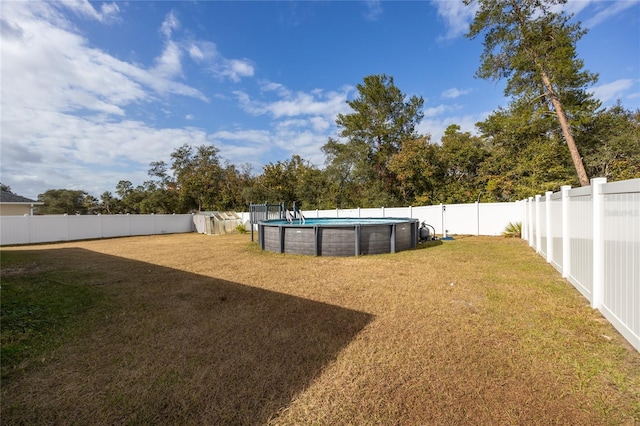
pixel 513 230
pixel 241 228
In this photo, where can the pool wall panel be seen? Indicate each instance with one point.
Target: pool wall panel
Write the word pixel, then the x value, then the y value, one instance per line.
pixel 375 239
pixel 299 241
pixel 271 238
pixel 404 236
pixel 337 241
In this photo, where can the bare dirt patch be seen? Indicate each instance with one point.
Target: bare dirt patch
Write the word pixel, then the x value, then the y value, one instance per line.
pixel 209 330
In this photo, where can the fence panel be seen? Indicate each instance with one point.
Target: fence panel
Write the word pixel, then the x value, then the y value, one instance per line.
pixel 621 229
pixel 51 228
pixel 533 223
pixel 55 228
pixel 555 225
pixel 143 224
pixel 83 227
pixel 581 241
pixel 14 229
pixel 542 220
pixel 493 218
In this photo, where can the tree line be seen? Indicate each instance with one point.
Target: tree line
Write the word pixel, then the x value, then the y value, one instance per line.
pixel 552 133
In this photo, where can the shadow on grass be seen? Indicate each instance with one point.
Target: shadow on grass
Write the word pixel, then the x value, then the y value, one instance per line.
pixel 167 346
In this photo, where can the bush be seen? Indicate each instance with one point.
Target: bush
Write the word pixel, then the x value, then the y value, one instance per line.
pixel 513 230
pixel 241 228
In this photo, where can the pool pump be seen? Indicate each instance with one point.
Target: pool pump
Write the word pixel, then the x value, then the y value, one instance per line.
pixel 426 232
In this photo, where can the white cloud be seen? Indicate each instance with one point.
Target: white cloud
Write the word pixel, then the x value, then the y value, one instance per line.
pixel 235 69
pixel 280 89
pixel 189 117
pixel 301 122
pixel 169 64
pixel 169 24
pixel 456 15
pixel 607 11
pixel 108 11
pixel 438 110
pixel 315 103
pixel 614 90
pixel 454 93
pixel 64 115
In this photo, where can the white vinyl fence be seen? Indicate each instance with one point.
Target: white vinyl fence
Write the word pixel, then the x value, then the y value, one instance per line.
pixel 460 219
pixel 50 228
pixel 592 236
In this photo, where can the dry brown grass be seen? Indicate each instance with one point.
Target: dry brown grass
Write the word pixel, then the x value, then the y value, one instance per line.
pixel 197 329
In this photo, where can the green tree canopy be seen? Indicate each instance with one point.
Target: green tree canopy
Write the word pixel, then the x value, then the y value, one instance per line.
pixel 64 201
pixel 382 120
pixel 197 172
pixel 535 49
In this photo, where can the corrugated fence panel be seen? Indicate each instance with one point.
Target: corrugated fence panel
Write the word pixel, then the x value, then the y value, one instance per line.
pixel 581 241
pixel 621 295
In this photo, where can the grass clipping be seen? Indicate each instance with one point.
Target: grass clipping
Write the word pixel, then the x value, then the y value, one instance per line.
pixel 194 329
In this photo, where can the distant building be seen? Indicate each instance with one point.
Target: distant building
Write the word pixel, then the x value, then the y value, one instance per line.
pixel 16 205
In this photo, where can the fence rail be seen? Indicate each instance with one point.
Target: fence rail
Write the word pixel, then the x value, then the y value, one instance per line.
pixel 50 228
pixel 591 235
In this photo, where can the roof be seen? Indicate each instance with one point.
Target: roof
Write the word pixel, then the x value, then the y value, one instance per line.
pixel 10 198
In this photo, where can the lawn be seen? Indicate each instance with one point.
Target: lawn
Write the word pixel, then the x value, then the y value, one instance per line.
pixel 195 329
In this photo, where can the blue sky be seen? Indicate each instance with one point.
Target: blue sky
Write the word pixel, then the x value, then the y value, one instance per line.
pixel 92 92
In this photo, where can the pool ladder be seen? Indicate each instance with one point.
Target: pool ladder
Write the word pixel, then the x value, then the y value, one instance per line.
pixel 295 215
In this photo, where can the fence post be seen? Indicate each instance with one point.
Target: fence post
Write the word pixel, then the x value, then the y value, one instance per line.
pixel 566 235
pixel 538 236
pixel 547 215
pixel 598 241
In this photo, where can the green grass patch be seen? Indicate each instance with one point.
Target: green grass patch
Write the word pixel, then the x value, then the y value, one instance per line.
pixel 39 309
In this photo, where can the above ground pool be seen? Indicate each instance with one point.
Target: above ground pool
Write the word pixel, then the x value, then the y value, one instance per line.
pixel 338 236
